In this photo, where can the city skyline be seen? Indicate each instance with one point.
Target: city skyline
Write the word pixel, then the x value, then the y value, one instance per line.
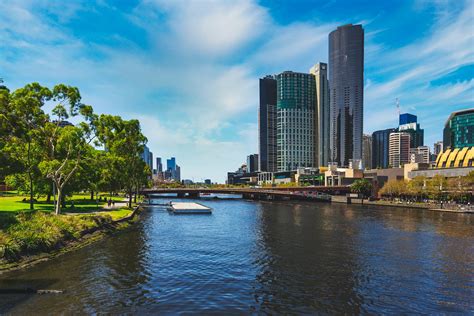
pixel 210 122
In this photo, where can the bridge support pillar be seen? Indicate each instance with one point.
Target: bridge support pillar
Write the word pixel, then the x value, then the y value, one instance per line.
pixel 180 195
pixel 194 195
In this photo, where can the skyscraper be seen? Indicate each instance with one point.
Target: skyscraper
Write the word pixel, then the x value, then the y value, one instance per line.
pixel 409 124
pixel 367 151
pixel 252 163
pixel 159 165
pixel 380 148
pixel 171 163
pixel 399 150
pixel 296 106
pixel 322 120
pixel 346 86
pixel 459 130
pixel 267 131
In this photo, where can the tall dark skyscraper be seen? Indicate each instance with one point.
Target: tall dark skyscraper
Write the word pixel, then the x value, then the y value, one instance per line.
pixel 380 148
pixel 346 84
pixel 267 124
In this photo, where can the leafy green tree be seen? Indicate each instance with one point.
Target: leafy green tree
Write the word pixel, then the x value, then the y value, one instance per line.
pixel 23 117
pixel 362 186
pixel 124 143
pixel 67 145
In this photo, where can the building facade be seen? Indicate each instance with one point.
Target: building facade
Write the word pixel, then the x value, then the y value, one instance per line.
pixel 252 163
pixel 296 106
pixel 322 114
pixel 399 149
pixel 367 151
pixel 380 148
pixel 346 86
pixel 438 148
pixel 421 154
pixel 267 125
pixel 459 130
pixel 409 124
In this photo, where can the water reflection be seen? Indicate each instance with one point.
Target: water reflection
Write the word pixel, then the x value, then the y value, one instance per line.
pixel 270 257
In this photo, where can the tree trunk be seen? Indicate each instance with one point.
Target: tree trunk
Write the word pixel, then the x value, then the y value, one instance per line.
pixel 31 193
pixel 130 198
pixel 92 195
pixel 58 202
pixel 48 198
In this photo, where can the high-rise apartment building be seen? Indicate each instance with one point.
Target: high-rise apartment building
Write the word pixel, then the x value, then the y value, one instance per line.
pixel 346 96
pixel 252 163
pixel 296 106
pixel 420 154
pixel 380 148
pixel 267 125
pixel 459 130
pixel 322 118
pixel 399 149
pixel 367 151
pixel 409 124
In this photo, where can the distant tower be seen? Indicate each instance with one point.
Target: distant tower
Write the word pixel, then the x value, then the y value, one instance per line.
pixel 346 84
pixel 267 125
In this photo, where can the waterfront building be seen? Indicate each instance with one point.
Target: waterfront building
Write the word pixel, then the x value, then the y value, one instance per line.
pixel 421 154
pixel 451 163
pixel 267 124
pixel 322 118
pixel 296 105
pixel 380 148
pixel 252 163
pixel 408 124
pixel 367 151
pixel 459 129
pixel 399 149
pixel 335 175
pixel 346 86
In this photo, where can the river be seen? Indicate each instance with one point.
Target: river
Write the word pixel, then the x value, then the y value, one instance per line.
pixel 263 257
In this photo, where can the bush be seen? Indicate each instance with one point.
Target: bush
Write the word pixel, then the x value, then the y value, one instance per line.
pixel 41 232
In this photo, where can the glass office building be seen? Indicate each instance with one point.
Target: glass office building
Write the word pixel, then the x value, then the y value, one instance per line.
pixel 296 106
pixel 346 84
pixel 459 130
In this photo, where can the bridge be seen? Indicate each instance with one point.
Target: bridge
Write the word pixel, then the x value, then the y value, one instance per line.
pixel 315 193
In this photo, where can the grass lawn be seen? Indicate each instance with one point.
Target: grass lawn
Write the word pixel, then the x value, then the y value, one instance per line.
pixel 82 204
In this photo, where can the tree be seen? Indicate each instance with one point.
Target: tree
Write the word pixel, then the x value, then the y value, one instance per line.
pixel 66 145
pixel 362 186
pixel 23 115
pixel 417 186
pixel 124 143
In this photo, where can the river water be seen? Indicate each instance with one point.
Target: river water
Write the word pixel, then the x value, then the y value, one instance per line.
pixel 263 257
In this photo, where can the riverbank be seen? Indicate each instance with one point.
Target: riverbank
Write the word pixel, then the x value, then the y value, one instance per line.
pixel 423 206
pixel 37 236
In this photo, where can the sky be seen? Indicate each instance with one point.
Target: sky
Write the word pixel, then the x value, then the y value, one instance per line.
pixel 189 70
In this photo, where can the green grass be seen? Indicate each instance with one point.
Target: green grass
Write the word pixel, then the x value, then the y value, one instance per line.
pixel 82 204
pixel 29 233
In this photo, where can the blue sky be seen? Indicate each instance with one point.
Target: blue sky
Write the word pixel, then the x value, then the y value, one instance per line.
pixel 189 69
